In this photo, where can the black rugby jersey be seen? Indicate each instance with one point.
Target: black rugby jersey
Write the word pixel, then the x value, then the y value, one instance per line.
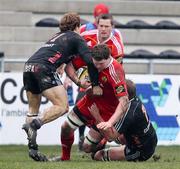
pixel 135 125
pixel 61 49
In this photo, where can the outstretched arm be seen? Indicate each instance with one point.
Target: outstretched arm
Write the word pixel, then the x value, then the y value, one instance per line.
pixel 118 114
pixel 110 134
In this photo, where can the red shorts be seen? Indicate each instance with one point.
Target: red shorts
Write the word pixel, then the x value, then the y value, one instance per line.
pixel 84 114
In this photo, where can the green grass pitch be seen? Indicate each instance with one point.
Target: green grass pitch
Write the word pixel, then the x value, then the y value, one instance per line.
pixel 16 157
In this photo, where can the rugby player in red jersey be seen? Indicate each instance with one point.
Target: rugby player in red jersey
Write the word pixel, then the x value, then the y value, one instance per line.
pixel 112 104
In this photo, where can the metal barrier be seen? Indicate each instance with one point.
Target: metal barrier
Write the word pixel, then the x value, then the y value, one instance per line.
pixel 149 62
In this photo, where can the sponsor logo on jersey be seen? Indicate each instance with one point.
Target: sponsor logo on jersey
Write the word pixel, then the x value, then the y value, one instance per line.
pixel 120 89
pixel 104 79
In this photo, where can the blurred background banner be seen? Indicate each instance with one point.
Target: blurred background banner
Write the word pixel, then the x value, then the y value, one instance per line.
pixel 161 97
pixel 159 93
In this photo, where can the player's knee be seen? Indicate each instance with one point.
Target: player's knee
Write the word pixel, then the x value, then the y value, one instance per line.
pixel 102 155
pixel 87 148
pixel 65 107
pixel 89 144
pixel 98 155
pixel 73 120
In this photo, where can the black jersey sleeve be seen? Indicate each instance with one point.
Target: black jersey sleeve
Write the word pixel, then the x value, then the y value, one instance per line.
pixel 122 125
pixel 85 54
pixel 127 120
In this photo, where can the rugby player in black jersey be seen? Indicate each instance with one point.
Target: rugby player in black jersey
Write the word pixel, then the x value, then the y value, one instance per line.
pixel 134 132
pixel 40 78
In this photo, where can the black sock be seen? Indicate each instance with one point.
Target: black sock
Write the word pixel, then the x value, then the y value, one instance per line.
pixel 81 131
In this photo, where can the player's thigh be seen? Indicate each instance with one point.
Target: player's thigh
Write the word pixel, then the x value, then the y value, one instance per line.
pixel 31 82
pixel 57 95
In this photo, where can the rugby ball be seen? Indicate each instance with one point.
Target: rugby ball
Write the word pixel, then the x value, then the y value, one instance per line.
pixel 82 73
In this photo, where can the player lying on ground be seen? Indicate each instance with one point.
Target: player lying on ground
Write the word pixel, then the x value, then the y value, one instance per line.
pixel 134 132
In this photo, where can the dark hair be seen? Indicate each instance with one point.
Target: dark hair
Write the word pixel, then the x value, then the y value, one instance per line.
pixel 106 16
pixel 100 52
pixel 131 88
pixel 69 22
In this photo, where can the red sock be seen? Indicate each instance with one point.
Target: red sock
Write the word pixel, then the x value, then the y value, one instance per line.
pixel 67 141
pixel 101 145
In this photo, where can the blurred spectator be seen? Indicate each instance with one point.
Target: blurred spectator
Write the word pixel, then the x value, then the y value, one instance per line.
pixel 99 9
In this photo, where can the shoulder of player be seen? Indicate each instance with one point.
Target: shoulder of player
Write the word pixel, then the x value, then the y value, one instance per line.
pixel 71 34
pixel 114 66
pixel 89 32
pixel 74 35
pixel 115 37
pixel 116 42
pixel 75 39
pixel 117 33
pixel 115 72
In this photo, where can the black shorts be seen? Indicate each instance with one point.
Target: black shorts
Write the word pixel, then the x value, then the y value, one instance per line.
pixel 133 153
pixel 38 77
